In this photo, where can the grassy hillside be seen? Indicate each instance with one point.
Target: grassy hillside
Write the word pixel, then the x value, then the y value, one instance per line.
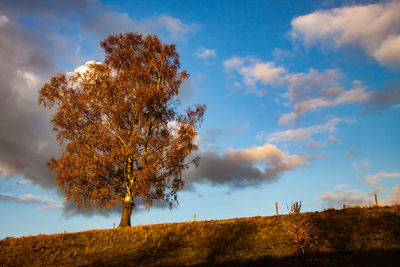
pixel 348 237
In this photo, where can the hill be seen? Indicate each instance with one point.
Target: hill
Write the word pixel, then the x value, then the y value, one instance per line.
pixel 347 237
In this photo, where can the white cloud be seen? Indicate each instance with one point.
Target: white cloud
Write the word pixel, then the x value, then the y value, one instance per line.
pixel 302 86
pixel 341 186
pixel 287 118
pixel 320 99
pixel 175 27
pixel 205 53
pixel 330 139
pixel 389 51
pixel 23 181
pixel 394 197
pixel 281 53
pixel 3 20
pixel 302 134
pixel 6 170
pixel 85 67
pixel 340 197
pixel 267 154
pixel 82 70
pixel 173 127
pixel 5 196
pixel 265 72
pixel 373 179
pixel 233 63
pixel 374 27
pixel 306 91
pixel 29 77
pixel 345 97
pixel 253 70
pixel 47 203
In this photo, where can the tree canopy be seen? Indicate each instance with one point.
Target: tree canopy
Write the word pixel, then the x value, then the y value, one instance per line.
pixel 121 136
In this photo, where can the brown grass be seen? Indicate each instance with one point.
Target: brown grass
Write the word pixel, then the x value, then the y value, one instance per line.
pixel 348 237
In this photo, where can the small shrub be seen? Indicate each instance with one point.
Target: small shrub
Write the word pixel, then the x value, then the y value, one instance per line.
pixel 295 207
pixel 301 230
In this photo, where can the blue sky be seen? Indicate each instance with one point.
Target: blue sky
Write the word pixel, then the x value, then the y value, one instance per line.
pixel 303 104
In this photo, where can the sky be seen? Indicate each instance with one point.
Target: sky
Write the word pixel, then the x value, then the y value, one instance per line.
pixel 303 104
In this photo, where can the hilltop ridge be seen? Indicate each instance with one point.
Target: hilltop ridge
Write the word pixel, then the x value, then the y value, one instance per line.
pixel 347 237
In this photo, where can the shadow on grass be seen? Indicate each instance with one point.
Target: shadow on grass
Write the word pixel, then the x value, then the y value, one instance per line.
pixel 357 229
pixel 228 240
pixel 217 240
pixel 349 237
pixel 355 258
pixel 352 235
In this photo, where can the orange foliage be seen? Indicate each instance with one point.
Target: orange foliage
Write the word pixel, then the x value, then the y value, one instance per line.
pixel 121 137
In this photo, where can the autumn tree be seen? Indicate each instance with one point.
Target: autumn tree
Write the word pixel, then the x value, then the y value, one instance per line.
pixel 121 136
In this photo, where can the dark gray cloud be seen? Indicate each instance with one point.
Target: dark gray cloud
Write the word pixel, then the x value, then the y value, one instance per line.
pixel 47 7
pixel 243 167
pixel 380 100
pixel 26 139
pixel 219 170
pixel 69 209
pixel 88 15
pixel 93 17
pixel 28 56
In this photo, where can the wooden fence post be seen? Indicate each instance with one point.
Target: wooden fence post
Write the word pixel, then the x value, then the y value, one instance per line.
pixel 376 200
pixel 276 206
pixel 194 219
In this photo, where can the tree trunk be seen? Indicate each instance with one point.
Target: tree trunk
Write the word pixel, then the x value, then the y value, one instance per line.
pixel 126 215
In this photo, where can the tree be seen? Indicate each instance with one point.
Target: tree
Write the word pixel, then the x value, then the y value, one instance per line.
pixel 121 137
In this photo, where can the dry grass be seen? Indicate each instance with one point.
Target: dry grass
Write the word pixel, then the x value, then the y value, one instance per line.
pixel 348 237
